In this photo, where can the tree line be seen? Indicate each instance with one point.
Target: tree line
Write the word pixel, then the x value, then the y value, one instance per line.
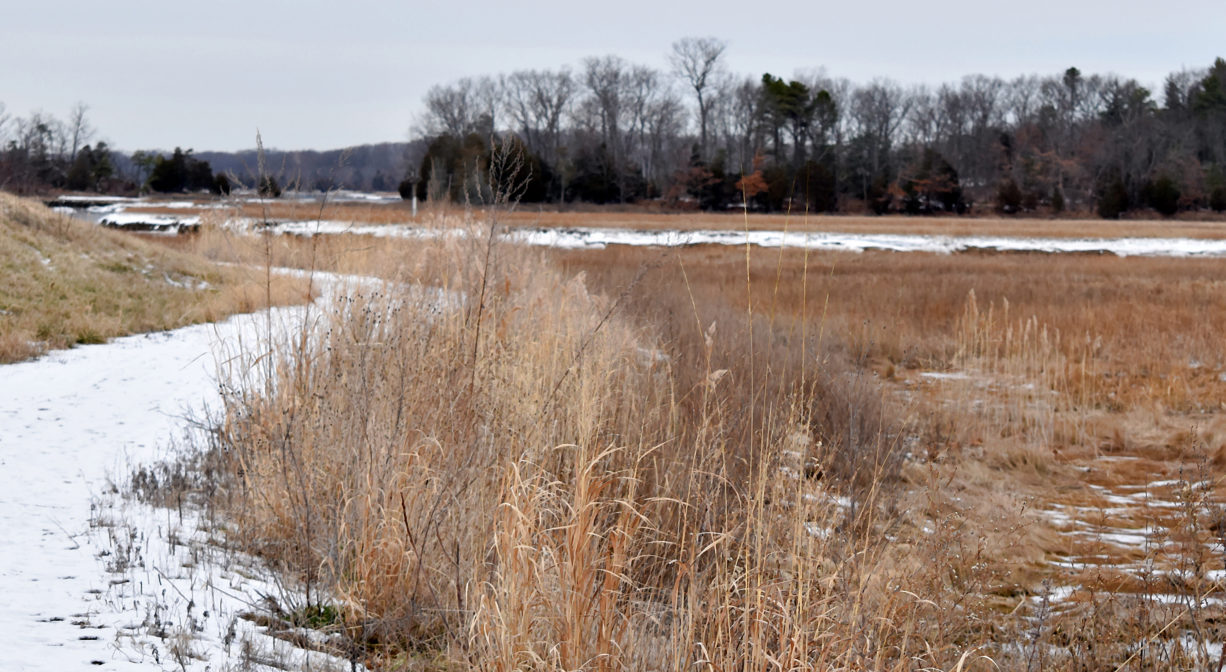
pixel 698 136
pixel 41 152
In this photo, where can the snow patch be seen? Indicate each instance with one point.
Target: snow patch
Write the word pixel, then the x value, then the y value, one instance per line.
pixel 151 223
pixel 95 581
pixel 599 238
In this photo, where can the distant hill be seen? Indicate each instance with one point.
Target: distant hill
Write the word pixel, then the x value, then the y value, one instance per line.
pixel 378 167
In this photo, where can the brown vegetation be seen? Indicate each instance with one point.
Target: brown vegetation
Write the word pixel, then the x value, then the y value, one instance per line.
pixel 713 457
pixel 65 282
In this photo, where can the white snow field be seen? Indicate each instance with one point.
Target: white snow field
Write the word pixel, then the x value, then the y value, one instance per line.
pixel 113 213
pixel 600 238
pixel 93 581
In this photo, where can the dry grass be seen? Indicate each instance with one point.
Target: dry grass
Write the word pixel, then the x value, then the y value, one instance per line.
pixel 722 458
pixel 1126 331
pixel 65 282
pixel 1018 373
pixel 537 480
pixel 295 210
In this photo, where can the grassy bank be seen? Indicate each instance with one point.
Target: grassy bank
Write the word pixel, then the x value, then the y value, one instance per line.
pixel 65 282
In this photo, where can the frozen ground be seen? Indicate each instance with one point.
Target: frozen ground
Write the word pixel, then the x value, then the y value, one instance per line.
pixel 114 214
pixel 93 581
pixel 599 238
pixel 144 222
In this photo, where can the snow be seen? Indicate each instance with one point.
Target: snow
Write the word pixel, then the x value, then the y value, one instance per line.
pixel 337 196
pixel 939 375
pixel 346 196
pixel 599 238
pixel 335 227
pixel 94 580
pixel 858 242
pixel 819 531
pixel 93 200
pixel 106 209
pixel 147 222
pixel 1055 594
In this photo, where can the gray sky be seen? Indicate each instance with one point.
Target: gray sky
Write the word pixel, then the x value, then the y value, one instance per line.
pixel 309 74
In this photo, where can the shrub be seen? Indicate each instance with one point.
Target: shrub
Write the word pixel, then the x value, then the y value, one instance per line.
pixel 269 188
pixel 1163 196
pixel 1217 199
pixel 931 185
pixel 1112 198
pixel 221 185
pixel 406 187
pixel 1057 200
pixel 180 172
pixel 820 186
pixel 1008 197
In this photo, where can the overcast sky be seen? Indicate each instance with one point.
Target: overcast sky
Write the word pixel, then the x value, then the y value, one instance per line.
pixel 310 74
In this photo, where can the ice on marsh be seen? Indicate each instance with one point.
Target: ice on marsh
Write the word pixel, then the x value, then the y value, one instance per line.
pixel 148 222
pixel 599 238
pixel 83 201
pixel 584 237
pixel 942 375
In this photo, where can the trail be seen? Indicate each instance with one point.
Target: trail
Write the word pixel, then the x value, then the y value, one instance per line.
pixel 90 580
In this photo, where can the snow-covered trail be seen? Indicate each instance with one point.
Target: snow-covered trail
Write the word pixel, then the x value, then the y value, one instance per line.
pixel 68 421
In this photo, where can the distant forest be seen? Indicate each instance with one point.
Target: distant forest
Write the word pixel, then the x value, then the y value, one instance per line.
pixel 613 132
pixel 697 136
pixel 41 153
pixel 378 167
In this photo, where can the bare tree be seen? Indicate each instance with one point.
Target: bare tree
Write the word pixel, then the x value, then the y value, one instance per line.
pixel 925 125
pixel 1021 99
pixel 641 88
pixel 697 61
pixel 652 113
pixel 878 111
pixel 829 129
pixel 36 150
pixel 603 78
pixel 979 159
pixel 664 130
pixel 452 109
pixel 604 110
pixel 736 110
pixel 488 96
pixel 537 102
pixel 79 130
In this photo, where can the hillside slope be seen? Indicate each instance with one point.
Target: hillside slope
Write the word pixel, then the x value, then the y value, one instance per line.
pixel 65 282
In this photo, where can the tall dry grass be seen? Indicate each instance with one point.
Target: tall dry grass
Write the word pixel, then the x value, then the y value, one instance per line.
pixel 1145 329
pixel 546 478
pixel 675 460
